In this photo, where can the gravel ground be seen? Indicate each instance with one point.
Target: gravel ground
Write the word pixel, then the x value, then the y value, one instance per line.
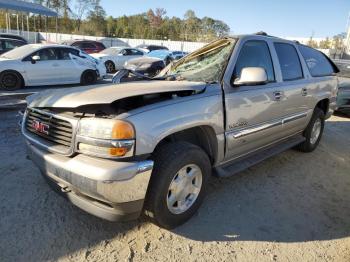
pixel 292 207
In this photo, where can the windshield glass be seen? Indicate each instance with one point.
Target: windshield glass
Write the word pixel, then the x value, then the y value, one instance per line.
pixel 20 52
pixel 111 51
pixel 206 64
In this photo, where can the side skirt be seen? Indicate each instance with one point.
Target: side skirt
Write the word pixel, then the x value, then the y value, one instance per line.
pixel 237 165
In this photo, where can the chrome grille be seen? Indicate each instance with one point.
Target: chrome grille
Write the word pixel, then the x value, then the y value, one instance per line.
pixel 60 131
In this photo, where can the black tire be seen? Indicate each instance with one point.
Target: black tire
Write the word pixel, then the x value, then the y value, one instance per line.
pixel 10 81
pixel 308 145
pixel 89 77
pixel 168 160
pixel 110 66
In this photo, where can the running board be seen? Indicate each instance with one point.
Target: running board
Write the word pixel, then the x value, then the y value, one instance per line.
pixel 237 165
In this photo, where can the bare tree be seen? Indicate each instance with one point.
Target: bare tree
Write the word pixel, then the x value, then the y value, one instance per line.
pixel 81 8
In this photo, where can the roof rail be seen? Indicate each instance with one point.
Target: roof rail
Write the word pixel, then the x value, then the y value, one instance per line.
pixel 261 33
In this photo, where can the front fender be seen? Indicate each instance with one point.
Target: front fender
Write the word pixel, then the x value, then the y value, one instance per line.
pixel 154 125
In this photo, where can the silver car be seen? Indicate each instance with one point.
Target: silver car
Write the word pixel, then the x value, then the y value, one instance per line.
pixel 151 145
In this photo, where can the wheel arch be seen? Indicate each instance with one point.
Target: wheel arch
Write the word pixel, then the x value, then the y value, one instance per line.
pixel 323 105
pixel 18 73
pixel 203 136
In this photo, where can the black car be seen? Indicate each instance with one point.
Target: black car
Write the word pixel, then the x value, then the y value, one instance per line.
pixel 149 66
pixel 149 48
pixel 7 44
pixel 13 36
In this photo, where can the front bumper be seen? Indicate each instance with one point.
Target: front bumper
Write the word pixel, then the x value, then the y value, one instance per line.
pixel 108 189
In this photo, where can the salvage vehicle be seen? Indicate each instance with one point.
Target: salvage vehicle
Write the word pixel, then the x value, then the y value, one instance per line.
pixel 153 62
pixel 7 44
pixel 38 64
pixel 148 48
pixel 343 98
pixel 114 58
pixel 151 146
pixel 14 36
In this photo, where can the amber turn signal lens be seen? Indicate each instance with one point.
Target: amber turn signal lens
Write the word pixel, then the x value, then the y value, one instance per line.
pixel 118 151
pixel 122 130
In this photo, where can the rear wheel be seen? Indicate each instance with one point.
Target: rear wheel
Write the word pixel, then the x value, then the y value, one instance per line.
pixel 89 77
pixel 110 67
pixel 10 80
pixel 178 184
pixel 313 132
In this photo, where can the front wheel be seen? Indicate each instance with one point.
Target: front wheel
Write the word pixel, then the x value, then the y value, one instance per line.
pixel 313 132
pixel 178 184
pixel 110 67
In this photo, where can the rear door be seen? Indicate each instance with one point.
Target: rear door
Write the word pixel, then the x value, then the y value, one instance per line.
pixel 67 68
pixel 253 113
pixel 293 90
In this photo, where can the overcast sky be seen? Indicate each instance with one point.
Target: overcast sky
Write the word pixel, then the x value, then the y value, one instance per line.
pixel 277 17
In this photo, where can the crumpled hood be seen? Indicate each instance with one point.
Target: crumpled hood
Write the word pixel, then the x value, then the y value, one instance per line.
pixel 106 94
pixel 143 60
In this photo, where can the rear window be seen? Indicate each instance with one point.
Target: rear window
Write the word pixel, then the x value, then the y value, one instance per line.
pixel 289 61
pixel 317 62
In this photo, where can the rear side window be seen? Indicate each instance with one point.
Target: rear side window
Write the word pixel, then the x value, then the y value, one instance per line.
pixel 316 61
pixel 289 61
pixel 254 54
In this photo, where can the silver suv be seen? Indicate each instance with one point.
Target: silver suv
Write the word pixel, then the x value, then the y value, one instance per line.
pixel 151 145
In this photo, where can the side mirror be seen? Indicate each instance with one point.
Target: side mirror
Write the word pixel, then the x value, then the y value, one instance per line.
pixel 35 59
pixel 251 76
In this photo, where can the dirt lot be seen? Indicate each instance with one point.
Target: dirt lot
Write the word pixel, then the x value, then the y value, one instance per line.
pixel 293 207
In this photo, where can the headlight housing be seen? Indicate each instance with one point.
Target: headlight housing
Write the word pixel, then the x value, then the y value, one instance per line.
pixel 107 138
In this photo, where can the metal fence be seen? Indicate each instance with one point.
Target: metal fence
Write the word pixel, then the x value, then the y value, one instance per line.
pixel 107 41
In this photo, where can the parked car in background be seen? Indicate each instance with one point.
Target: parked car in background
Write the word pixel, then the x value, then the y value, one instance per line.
pixel 153 62
pixel 166 55
pixel 88 46
pixel 343 98
pixel 13 36
pixel 148 66
pixel 149 48
pixel 7 44
pixel 114 58
pixel 37 64
pixel 151 146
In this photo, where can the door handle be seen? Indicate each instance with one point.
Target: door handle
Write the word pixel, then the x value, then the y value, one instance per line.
pixel 304 91
pixel 277 95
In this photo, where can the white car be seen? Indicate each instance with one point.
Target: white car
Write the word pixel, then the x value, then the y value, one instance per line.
pixel 37 64
pixel 115 57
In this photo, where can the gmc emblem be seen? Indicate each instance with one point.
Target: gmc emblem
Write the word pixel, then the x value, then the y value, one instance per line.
pixel 40 127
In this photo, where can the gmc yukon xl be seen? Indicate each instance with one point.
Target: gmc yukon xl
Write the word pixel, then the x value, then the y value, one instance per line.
pixel 150 146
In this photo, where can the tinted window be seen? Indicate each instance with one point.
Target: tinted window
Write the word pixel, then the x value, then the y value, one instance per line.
pixel 316 61
pixel 45 54
pixel 289 61
pixel 9 44
pixel 64 53
pixel 135 52
pixel 85 45
pixel 254 54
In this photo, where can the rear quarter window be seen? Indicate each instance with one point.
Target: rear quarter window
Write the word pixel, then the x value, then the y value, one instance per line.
pixel 317 62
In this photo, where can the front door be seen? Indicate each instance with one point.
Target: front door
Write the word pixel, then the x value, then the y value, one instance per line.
pixel 253 113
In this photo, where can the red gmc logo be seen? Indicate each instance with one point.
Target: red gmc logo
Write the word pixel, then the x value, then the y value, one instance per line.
pixel 40 127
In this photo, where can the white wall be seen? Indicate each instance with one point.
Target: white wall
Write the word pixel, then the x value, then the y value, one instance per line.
pixel 172 45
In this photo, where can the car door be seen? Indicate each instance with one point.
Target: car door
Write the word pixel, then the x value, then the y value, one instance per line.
pixel 121 58
pixel 44 71
pixel 294 89
pixel 68 68
pixel 253 115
